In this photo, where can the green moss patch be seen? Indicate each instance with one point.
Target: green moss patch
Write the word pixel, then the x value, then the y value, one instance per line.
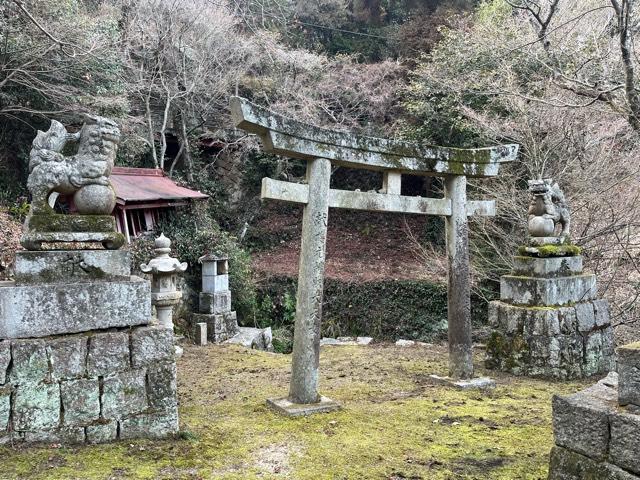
pixel 545 251
pixel 71 223
pixel 394 424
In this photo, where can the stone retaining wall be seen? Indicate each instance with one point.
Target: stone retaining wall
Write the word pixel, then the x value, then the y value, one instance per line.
pixel 91 387
pixel 597 430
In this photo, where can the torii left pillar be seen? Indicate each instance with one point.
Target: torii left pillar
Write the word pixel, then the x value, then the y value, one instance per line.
pixel 303 391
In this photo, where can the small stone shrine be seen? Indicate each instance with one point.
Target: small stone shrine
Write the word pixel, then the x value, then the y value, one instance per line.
pixel 216 322
pixel 549 321
pixel 597 430
pixel 215 300
pixel 81 359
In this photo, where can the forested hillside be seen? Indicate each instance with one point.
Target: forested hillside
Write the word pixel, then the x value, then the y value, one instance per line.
pixel 557 77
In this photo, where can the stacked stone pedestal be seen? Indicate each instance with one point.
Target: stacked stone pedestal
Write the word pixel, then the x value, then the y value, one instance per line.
pixel 215 300
pixel 549 321
pixel 597 430
pixel 80 360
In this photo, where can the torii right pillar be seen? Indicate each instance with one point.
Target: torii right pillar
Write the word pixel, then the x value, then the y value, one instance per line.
pixel 458 287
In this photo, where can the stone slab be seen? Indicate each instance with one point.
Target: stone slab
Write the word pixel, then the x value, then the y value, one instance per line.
pixel 5 358
pixel 67 356
pixel 557 291
pixel 547 267
pixel 289 409
pixel 629 374
pixel 102 432
pixel 513 319
pixel 108 353
pixel 68 435
pixel 480 383
pixel 162 381
pixel 150 345
pixel 5 407
pixel 68 266
pixel 624 447
pixel 541 241
pixel 124 394
pixel 70 223
pixel 43 310
pixel 581 420
pixel 598 348
pixel 30 362
pixel 567 465
pixel 80 401
pixel 36 407
pixel 255 338
pixel 602 312
pixel 34 240
pixel 150 425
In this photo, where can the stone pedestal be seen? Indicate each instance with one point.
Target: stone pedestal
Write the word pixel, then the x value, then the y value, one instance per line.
pixel 549 322
pixel 79 360
pixel 597 430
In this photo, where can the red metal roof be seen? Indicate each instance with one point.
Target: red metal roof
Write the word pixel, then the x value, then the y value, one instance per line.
pixel 147 184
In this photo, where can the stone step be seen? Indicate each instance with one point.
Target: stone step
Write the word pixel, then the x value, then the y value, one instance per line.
pixel 581 317
pixel 521 290
pixel 70 266
pixel 547 267
pixel 593 435
pixel 51 309
pixel 629 374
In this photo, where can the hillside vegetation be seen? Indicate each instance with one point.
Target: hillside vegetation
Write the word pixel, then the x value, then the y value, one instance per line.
pixel 558 78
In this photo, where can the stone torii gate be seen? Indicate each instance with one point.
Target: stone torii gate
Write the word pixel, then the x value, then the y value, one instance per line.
pixel 321 148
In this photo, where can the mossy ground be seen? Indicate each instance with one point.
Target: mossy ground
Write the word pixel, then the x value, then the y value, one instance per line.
pixel 394 424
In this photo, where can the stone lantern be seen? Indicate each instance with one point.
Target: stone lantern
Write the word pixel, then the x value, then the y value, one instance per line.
pixel 164 271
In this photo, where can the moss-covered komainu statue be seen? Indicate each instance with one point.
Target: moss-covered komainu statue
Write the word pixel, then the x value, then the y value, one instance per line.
pixel 84 175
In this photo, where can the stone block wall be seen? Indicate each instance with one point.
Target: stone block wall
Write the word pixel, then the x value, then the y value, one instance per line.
pixel 80 357
pixel 597 430
pixel 549 323
pixel 90 387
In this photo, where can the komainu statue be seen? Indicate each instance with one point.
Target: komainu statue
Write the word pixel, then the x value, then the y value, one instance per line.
pixel 548 211
pixel 84 175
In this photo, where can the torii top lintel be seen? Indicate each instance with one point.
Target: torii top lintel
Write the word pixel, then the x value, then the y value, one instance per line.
pixel 291 138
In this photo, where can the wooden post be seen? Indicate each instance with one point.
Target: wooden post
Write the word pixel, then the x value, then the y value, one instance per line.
pixel 458 297
pixel 306 338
